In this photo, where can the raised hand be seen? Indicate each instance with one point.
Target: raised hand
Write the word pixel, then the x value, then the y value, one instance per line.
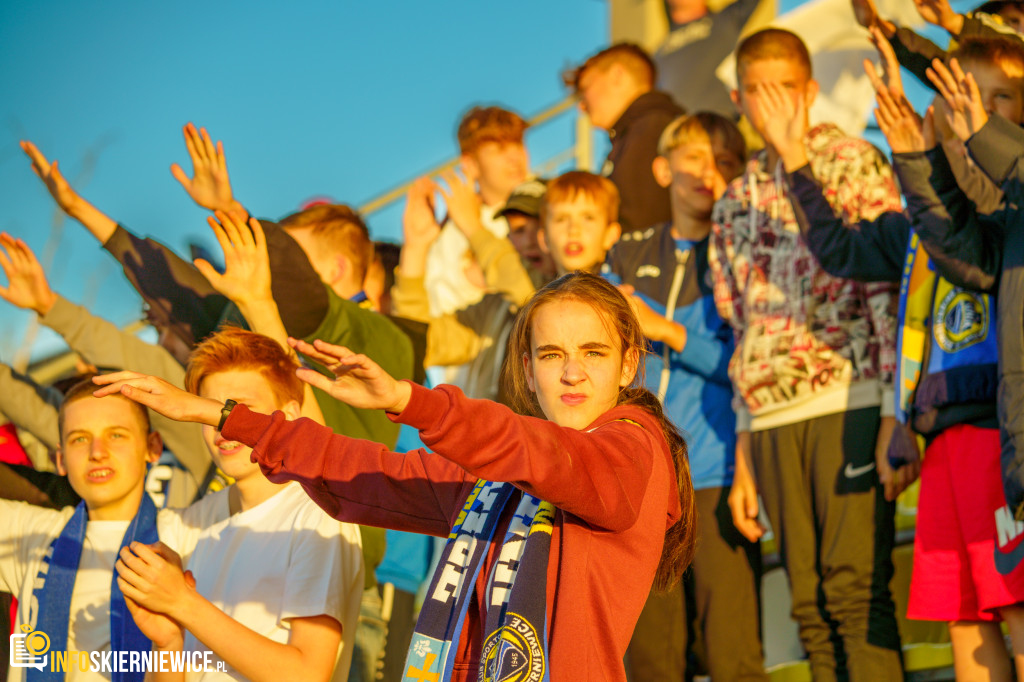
pixel 655 327
pixel 50 174
pixel 785 123
pixel 897 119
pixel 966 113
pixel 419 226
pixel 358 380
pixel 893 78
pixel 160 396
pixel 209 186
pixel 246 278
pixel 865 12
pixel 462 200
pixel 101 226
pixel 940 13
pixel 26 282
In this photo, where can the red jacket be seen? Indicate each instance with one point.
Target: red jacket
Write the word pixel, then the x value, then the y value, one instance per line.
pixel 613 485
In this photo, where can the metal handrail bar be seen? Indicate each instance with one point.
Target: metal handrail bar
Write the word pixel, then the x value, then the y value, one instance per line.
pixel 398 192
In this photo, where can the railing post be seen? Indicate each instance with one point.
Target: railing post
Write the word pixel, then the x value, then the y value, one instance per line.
pixel 584 142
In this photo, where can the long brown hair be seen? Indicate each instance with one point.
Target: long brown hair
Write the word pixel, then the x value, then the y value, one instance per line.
pixel 681 538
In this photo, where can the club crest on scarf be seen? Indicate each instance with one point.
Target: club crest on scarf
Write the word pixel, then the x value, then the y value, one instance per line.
pixel 516 649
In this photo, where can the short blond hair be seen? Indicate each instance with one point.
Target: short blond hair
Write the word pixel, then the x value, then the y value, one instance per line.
pixel 702 126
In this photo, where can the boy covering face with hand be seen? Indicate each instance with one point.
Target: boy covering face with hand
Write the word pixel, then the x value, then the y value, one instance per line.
pixel 813 374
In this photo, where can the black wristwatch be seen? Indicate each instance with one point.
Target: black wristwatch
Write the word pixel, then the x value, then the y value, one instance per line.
pixel 229 405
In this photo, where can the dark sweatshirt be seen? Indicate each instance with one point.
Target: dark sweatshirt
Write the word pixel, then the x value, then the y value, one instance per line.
pixel 876 250
pixel 634 147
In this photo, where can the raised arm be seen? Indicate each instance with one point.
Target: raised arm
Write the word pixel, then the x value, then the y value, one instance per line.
pixel 209 186
pixel 351 479
pixel 455 338
pixel 503 269
pixel 247 282
pixel 69 201
pixel 30 406
pixel 100 343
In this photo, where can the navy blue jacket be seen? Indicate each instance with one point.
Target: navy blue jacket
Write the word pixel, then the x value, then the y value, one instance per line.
pixel 695 389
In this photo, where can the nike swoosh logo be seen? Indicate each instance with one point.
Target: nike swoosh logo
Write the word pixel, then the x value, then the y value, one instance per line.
pixel 1006 562
pixel 853 472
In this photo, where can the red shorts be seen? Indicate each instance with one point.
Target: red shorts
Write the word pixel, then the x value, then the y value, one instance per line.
pixel 968 550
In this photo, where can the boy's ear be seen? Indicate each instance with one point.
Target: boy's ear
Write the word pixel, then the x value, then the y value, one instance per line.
pixel 59 455
pixel 292 410
pixel 542 240
pixel 469 165
pixel 611 235
pixel 340 265
pixel 734 95
pixel 154 446
pixel 811 93
pixel 662 171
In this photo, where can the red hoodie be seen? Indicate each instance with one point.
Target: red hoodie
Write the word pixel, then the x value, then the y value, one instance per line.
pixel 613 485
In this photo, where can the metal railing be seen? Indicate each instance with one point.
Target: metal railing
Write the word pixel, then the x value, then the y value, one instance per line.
pixel 581 150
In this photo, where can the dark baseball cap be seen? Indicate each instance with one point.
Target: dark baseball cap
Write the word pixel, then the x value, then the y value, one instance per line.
pixel 525 199
pixel 996 6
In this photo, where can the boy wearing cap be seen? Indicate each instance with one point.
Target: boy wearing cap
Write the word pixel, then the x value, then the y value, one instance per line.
pixel 522 212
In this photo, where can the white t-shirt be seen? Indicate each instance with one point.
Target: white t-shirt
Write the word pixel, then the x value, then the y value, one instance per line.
pixel 26 533
pixel 284 558
pixel 448 288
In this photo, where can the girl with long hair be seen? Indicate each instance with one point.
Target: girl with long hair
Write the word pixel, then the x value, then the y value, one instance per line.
pixel 559 515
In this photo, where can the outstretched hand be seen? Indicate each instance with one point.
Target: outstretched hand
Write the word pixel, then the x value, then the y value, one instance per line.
pixel 50 174
pixel 654 326
pixel 966 114
pixel 893 80
pixel 358 380
pixel 419 226
pixel 785 123
pixel 900 124
pixel 160 396
pixel 462 200
pixel 246 277
pixel 26 282
pixel 209 186
pixel 940 13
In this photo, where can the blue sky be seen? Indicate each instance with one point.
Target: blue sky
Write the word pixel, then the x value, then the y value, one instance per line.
pixel 342 99
pixel 339 98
